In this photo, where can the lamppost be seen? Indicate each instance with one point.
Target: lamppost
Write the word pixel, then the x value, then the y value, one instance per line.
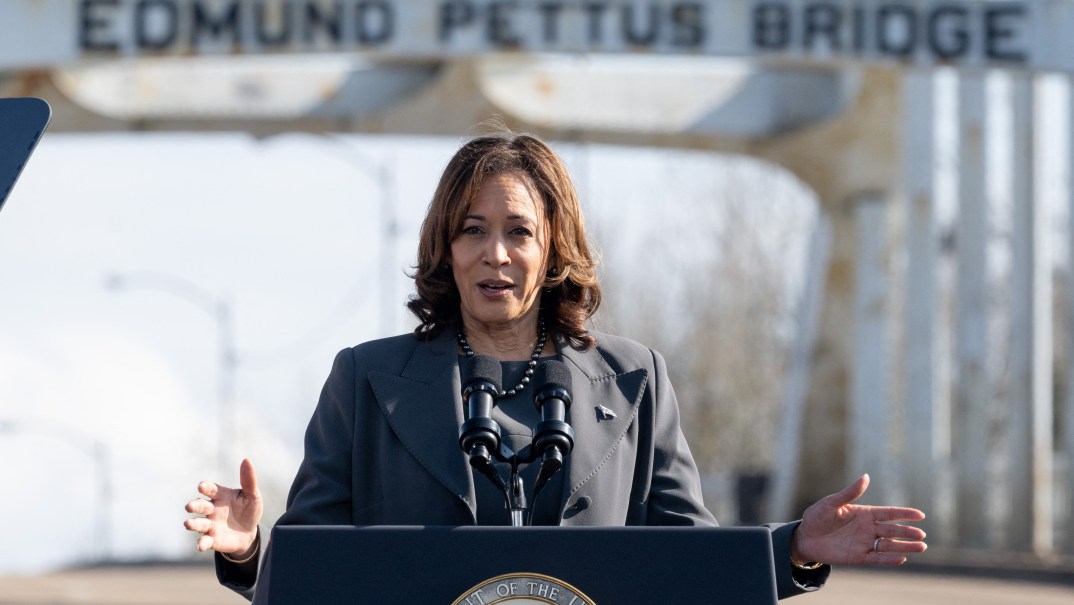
pixel 380 171
pixel 98 451
pixel 227 359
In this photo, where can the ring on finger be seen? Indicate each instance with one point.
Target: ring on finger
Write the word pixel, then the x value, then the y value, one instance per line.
pixel 876 544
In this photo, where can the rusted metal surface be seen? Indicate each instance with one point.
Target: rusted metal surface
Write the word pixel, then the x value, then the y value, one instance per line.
pixel 243 88
pixel 973 33
pixel 662 94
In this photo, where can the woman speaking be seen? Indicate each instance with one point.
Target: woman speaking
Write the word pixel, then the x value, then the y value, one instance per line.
pixel 504 270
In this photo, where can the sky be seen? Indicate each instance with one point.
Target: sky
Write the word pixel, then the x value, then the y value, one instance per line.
pixel 109 410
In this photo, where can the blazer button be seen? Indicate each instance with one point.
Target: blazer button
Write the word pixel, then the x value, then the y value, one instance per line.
pixel 581 504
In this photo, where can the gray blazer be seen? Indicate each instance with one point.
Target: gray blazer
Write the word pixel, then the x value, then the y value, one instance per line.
pixel 382 448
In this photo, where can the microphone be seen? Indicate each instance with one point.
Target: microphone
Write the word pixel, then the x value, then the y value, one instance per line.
pixel 479 435
pixel 553 438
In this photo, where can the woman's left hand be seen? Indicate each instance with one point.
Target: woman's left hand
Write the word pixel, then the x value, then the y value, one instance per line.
pixel 836 531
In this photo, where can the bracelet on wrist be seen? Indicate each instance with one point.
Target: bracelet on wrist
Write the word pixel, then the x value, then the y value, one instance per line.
pixel 256 547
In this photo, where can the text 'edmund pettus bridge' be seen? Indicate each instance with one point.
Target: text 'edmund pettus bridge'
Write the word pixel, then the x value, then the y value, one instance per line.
pixel 1029 34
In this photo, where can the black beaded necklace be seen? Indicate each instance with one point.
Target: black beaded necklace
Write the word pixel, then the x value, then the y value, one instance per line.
pixel 542 337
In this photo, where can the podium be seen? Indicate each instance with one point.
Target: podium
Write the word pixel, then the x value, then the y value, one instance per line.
pixel 22 121
pixel 517 566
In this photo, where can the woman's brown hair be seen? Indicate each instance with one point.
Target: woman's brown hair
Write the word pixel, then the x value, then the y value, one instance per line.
pixel 571 291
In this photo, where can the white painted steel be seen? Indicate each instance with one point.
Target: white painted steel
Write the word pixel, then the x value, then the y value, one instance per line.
pixel 972 393
pixel 1068 432
pixel 920 300
pixel 796 380
pixel 870 394
pixel 662 94
pixel 1030 413
pixel 245 87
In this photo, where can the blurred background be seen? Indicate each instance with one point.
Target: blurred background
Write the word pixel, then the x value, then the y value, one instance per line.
pixel 851 243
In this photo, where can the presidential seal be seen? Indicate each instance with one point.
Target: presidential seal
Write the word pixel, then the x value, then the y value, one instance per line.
pixel 523 589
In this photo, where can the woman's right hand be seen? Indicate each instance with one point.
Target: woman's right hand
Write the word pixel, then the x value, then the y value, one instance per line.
pixel 229 524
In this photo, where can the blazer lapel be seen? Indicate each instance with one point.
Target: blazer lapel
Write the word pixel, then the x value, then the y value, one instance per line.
pixel 604 406
pixel 427 394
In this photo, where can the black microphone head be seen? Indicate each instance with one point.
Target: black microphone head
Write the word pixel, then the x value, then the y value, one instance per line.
pixel 553 379
pixel 482 368
pixel 552 437
pixel 552 373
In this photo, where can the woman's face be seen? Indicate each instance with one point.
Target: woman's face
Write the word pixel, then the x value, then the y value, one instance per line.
pixel 500 257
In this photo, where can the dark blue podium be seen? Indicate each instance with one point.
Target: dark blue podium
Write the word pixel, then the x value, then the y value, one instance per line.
pixel 485 565
pixel 22 122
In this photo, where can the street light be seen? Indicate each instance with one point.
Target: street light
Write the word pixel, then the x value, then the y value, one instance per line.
pixel 98 451
pixel 220 311
pixel 381 171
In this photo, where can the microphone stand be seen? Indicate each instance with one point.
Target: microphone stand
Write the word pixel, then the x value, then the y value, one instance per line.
pixel 517 498
pixel 513 490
